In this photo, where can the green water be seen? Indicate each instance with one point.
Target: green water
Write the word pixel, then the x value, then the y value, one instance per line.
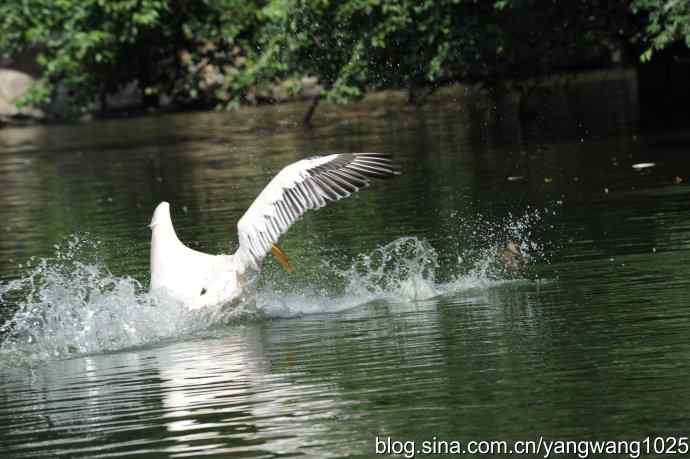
pixel 591 343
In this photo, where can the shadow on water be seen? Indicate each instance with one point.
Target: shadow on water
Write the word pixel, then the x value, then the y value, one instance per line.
pixel 396 323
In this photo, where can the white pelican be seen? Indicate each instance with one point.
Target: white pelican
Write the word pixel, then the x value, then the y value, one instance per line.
pixel 198 279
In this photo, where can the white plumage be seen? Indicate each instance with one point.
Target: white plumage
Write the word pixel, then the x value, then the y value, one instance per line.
pixel 198 279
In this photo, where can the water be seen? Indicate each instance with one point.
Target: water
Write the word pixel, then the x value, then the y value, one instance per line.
pixel 399 322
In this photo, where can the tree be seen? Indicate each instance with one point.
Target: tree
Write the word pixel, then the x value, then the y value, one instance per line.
pixel 208 53
pixel 355 45
pixel 95 47
pixel 666 23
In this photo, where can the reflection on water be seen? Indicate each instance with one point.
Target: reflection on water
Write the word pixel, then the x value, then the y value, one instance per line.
pixel 397 321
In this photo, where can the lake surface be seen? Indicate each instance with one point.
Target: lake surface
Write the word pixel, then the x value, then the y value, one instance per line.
pixel 398 321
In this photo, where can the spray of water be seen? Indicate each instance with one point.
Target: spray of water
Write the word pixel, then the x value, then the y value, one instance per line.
pixel 403 270
pixel 73 305
pixel 479 241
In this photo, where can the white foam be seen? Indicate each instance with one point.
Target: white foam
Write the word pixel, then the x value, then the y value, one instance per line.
pixel 73 305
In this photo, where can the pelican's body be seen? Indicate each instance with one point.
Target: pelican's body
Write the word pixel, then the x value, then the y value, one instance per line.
pixel 198 279
pixel 195 278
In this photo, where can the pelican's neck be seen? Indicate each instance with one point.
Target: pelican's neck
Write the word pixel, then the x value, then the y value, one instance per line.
pixel 165 244
pixel 163 236
pixel 162 231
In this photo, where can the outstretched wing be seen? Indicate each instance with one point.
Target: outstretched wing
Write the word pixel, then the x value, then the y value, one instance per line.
pixel 303 185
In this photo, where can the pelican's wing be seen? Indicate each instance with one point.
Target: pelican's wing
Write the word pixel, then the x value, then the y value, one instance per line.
pixel 306 184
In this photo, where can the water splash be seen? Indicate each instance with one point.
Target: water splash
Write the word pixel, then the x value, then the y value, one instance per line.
pixel 73 305
pixel 477 243
pixel 403 270
pixel 411 269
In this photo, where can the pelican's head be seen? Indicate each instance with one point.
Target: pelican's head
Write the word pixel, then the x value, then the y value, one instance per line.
pixel 161 215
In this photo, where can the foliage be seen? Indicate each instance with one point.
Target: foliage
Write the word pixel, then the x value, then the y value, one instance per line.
pixel 352 45
pixel 667 22
pixel 95 47
pixel 225 52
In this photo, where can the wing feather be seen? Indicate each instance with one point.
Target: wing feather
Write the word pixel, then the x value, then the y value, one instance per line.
pixel 301 186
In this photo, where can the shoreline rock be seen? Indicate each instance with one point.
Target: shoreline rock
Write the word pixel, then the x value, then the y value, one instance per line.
pixel 13 86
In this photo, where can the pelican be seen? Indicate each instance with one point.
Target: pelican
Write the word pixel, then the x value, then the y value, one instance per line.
pixel 199 280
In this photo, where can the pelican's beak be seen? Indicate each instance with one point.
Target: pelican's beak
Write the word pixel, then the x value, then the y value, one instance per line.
pixel 281 257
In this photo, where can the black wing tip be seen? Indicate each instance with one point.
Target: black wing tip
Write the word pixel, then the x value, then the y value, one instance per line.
pixel 367 165
pixel 373 155
pixel 381 160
